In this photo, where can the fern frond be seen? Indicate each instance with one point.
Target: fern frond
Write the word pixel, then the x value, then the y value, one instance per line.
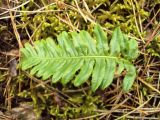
pixel 89 56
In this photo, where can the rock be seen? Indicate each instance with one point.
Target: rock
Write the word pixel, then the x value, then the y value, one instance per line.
pixel 23 112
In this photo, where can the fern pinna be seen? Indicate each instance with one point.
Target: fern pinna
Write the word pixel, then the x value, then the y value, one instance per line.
pixel 78 56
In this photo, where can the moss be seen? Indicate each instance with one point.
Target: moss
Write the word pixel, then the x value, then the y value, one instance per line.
pixel 66 17
pixel 154 46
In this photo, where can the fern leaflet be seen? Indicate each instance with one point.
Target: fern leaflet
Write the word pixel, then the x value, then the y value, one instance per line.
pixel 90 56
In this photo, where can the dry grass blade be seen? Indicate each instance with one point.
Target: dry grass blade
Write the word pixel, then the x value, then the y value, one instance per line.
pixel 134 109
pixel 15 30
pixel 30 20
pixel 149 85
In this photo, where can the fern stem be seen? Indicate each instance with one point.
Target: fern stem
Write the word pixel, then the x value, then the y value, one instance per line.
pixel 83 57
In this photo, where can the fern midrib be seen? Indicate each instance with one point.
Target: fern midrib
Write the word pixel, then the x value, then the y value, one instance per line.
pixel 80 57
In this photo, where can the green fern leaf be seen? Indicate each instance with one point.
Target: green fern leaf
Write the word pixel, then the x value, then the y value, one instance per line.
pixel 78 56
